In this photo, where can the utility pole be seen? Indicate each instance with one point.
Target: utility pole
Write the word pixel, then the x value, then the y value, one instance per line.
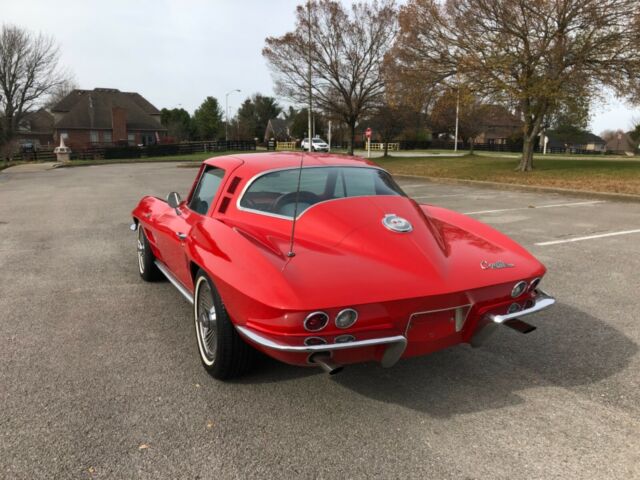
pixel 226 108
pixel 329 134
pixel 309 76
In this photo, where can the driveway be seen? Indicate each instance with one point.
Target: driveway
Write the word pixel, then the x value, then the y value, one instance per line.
pixel 100 378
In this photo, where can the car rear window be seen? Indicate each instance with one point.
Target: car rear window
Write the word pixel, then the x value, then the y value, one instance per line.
pixel 275 193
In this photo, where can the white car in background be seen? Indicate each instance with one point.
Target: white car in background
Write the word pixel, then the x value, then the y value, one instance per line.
pixel 317 145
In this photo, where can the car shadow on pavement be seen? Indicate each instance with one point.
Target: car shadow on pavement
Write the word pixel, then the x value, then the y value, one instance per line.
pixel 269 370
pixel 569 349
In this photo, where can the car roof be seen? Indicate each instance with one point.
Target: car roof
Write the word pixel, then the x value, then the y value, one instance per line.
pixel 254 163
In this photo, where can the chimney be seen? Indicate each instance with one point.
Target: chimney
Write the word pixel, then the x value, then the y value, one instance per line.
pixel 119 124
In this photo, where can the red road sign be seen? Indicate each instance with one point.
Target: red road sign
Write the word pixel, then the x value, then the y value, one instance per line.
pixel 367 133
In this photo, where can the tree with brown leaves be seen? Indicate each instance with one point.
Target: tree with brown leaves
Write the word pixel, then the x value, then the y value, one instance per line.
pixel 471 114
pixel 531 54
pixel 347 48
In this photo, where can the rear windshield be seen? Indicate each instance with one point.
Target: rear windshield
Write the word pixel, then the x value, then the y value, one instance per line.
pixel 275 192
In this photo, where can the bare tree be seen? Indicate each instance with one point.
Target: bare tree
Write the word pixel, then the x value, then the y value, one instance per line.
pixel 533 54
pixel 29 72
pixel 608 135
pixel 347 50
pixel 60 91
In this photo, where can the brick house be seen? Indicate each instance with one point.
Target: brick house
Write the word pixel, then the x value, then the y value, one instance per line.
pixel 35 130
pixel 106 116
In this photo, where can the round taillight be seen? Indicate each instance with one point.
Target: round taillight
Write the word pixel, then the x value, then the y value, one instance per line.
pixel 346 318
pixel 309 341
pixel 316 321
pixel 518 289
pixel 534 284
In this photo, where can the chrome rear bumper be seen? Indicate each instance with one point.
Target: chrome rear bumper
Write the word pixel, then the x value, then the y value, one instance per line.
pixel 397 344
pixel 395 349
pixel 542 302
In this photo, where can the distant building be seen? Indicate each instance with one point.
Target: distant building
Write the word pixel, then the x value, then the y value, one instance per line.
pixel 574 142
pixel 621 143
pixel 498 125
pixel 278 129
pixel 35 130
pixel 106 116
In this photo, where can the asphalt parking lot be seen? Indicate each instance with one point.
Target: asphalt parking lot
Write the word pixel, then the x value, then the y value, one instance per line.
pixel 99 375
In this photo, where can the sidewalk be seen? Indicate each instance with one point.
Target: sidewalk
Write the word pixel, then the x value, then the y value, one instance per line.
pixel 30 167
pixel 408 153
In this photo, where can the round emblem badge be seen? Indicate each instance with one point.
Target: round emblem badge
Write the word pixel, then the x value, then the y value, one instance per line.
pixel 396 223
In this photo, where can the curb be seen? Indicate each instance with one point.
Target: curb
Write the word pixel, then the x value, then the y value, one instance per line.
pixel 29 168
pixel 622 197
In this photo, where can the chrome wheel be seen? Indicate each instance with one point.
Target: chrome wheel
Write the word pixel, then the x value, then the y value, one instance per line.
pixel 141 249
pixel 206 321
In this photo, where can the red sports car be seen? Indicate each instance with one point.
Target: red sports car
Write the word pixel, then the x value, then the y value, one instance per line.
pixel 323 260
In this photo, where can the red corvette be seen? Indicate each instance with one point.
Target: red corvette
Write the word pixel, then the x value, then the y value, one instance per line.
pixel 323 260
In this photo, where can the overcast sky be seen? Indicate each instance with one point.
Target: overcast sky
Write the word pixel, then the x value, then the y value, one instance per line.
pixel 176 53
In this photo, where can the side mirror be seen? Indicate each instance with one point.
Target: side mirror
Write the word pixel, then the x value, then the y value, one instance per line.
pixel 174 200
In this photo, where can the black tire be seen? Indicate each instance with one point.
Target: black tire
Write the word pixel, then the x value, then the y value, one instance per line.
pixel 223 353
pixel 146 259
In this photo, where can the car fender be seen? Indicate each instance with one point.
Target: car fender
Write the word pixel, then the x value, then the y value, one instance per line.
pixel 248 278
pixel 145 213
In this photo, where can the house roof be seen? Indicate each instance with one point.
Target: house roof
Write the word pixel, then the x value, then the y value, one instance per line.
pixel 40 122
pixel 93 109
pixel 277 127
pixel 499 116
pixel 573 138
pixel 621 142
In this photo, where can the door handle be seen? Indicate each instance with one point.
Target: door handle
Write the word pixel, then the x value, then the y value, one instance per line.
pixel 181 235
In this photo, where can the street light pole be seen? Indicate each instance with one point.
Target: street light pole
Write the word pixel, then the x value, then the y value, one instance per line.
pixel 226 109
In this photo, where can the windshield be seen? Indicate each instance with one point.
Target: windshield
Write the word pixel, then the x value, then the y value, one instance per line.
pixel 275 192
pixel 318 140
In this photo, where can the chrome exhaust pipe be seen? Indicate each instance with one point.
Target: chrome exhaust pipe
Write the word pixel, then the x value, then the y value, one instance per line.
pixel 323 360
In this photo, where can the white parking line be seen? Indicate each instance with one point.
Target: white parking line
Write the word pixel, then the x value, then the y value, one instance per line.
pixel 590 237
pixel 536 207
pixel 414 185
pixel 440 196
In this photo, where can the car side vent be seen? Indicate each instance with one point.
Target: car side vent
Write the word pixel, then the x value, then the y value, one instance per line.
pixel 224 204
pixel 233 185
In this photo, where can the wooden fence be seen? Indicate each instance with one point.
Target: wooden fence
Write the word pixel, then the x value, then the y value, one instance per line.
pixel 380 146
pixel 285 145
pixel 124 152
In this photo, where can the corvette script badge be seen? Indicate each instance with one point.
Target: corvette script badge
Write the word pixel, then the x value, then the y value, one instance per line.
pixel 484 265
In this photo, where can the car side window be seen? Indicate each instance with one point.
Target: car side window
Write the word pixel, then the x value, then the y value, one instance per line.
pixel 206 190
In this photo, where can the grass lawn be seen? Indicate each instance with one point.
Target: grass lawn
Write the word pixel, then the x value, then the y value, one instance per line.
pixel 607 175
